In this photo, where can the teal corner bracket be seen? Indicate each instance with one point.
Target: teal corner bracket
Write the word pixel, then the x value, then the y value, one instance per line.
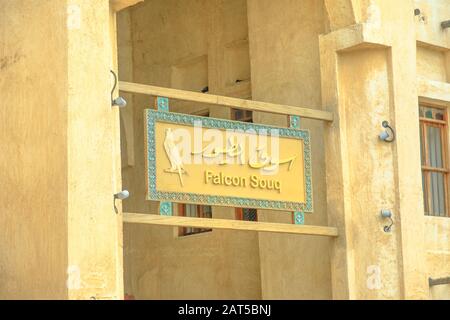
pixel 299 218
pixel 162 104
pixel 294 122
pixel 165 208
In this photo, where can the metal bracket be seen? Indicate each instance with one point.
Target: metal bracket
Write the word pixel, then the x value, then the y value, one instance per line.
pixel 387 214
pixel 122 195
pixel 385 135
pixel 119 101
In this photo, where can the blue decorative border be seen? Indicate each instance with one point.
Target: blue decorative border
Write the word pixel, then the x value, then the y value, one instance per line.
pixel 153 116
pixel 299 216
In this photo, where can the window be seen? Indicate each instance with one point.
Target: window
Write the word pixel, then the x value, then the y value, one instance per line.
pixel 193 211
pixel 246 214
pixel 434 155
pixel 242 115
pixel 202 113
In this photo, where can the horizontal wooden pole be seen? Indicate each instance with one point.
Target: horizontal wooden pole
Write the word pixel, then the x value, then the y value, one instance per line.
pixel 225 101
pixel 207 223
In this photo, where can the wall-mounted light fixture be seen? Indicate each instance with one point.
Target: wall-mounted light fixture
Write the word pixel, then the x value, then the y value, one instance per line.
pixel 387 135
pixel 387 214
pixel 119 101
pixel 122 195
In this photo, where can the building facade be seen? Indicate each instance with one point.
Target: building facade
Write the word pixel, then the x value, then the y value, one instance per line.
pixel 348 65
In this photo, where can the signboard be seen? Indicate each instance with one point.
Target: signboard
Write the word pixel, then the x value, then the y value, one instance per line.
pixel 211 161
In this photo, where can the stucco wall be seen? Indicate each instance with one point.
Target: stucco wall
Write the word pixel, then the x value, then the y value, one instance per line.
pixel 180 44
pixel 375 80
pixel 95 227
pixel 61 236
pixel 33 158
pixel 285 65
pixel 433 63
pixel 365 84
pixel 438 254
pixel 60 155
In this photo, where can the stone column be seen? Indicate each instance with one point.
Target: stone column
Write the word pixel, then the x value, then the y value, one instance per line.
pixel 368 76
pixel 60 162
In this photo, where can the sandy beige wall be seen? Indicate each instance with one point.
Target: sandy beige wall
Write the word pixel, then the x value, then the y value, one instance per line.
pixel 437 240
pixel 95 229
pixel 33 157
pixel 438 254
pixel 284 54
pixel 375 83
pixel 433 63
pixel 181 44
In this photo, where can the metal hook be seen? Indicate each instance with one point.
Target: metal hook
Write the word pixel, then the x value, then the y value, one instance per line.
pixel 389 227
pixel 119 101
pixel 387 214
pixel 385 136
pixel 115 85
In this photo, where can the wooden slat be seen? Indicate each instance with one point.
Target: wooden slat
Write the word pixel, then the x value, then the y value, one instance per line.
pixel 207 223
pixel 434 121
pixel 433 169
pixel 439 281
pixel 225 101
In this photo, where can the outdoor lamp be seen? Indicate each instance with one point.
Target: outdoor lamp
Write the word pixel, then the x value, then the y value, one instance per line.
pixel 122 195
pixel 120 102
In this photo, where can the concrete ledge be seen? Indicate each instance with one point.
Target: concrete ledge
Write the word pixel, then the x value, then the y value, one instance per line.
pixel 434 90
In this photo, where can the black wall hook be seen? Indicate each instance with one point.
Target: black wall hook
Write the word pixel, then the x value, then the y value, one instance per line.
pixel 387 135
pixel 114 86
pixel 387 214
pixel 389 227
pixel 119 101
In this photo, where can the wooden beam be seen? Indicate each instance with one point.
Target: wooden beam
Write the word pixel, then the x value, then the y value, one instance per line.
pixel 226 101
pixel 177 221
pixel 439 281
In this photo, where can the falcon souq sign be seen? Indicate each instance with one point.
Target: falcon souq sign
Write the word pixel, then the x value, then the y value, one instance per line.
pixel 210 161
